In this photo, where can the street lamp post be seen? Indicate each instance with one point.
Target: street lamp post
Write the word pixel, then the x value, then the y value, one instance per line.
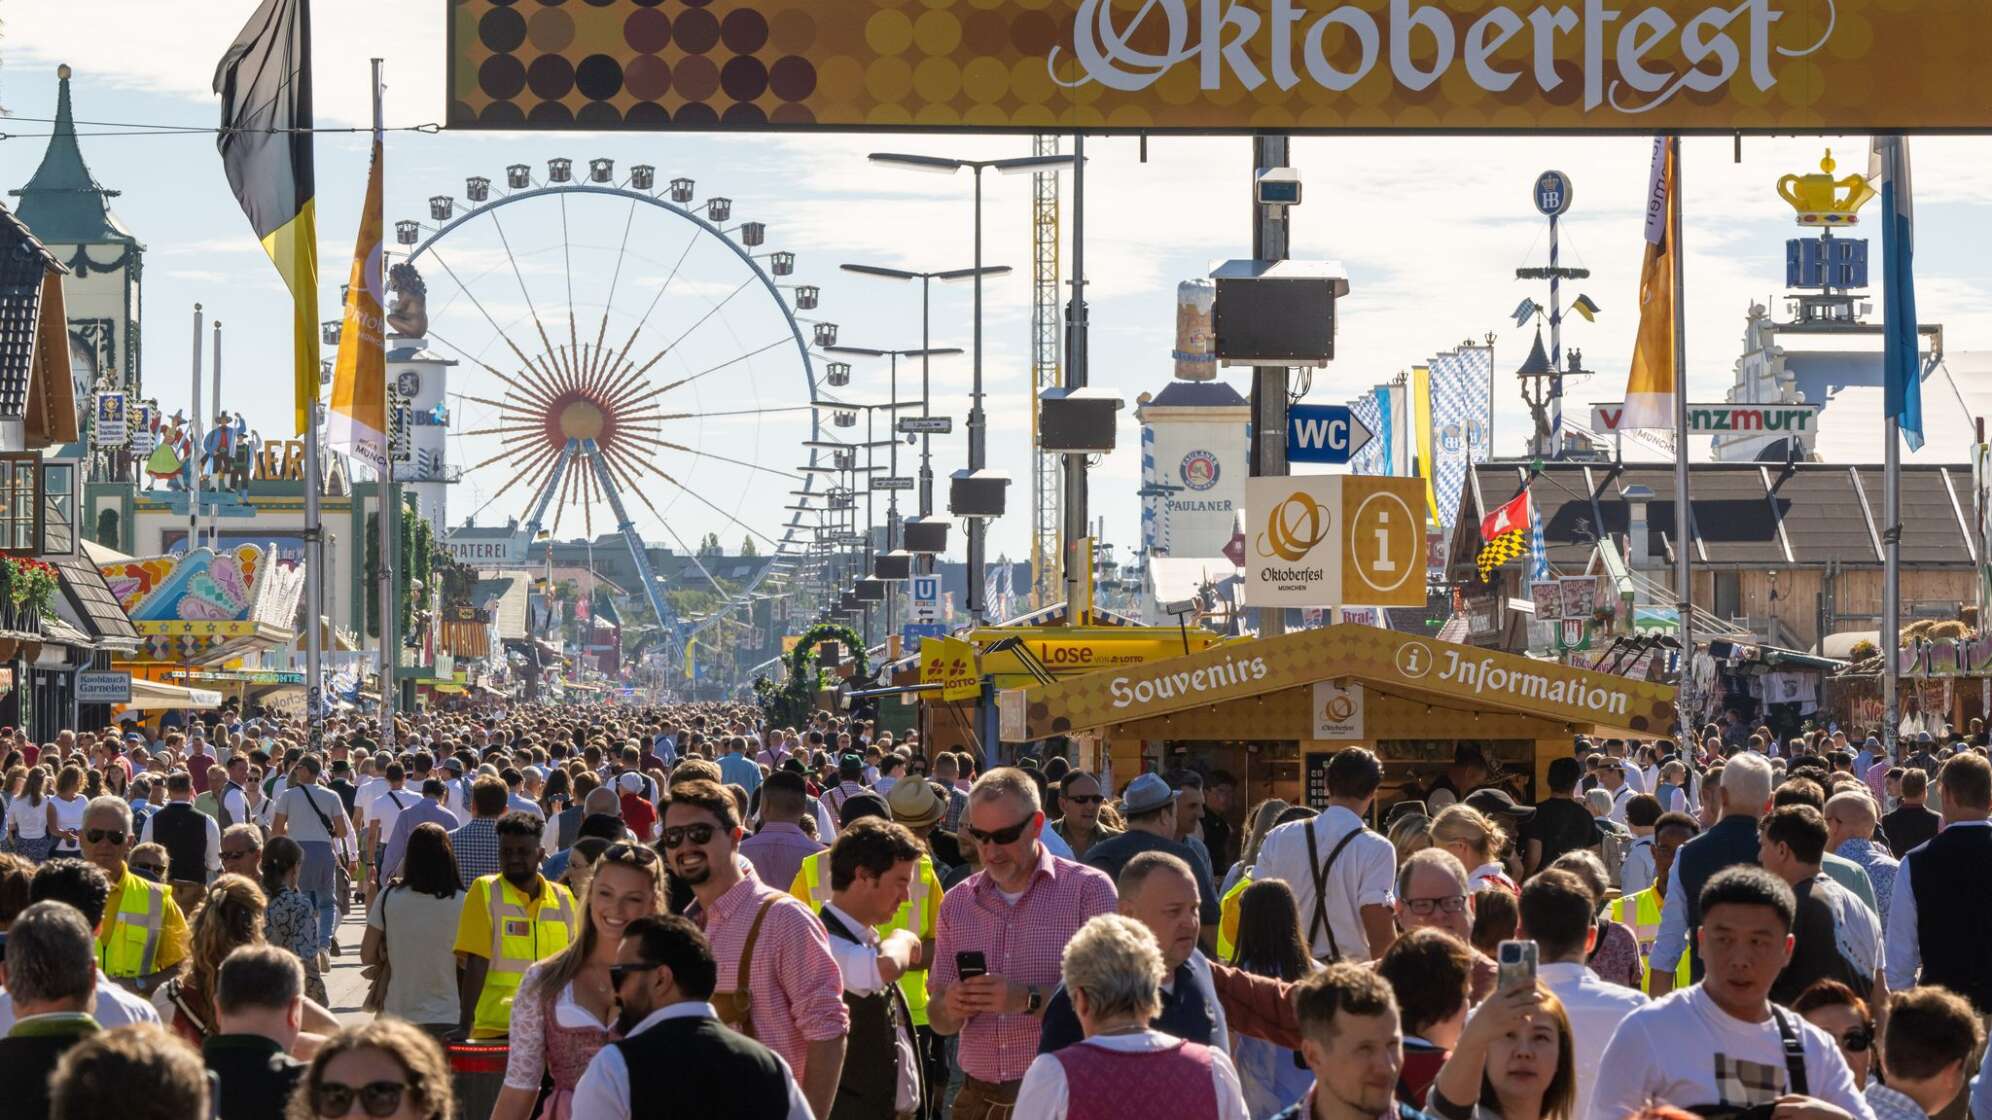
pixel 977 419
pixel 925 352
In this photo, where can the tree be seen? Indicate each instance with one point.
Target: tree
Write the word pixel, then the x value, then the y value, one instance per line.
pixel 710 546
pixel 747 547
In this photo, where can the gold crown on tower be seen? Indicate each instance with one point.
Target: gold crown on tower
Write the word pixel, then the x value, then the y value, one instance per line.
pixel 1822 200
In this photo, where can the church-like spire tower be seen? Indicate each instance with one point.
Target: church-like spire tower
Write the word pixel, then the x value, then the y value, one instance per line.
pixel 63 203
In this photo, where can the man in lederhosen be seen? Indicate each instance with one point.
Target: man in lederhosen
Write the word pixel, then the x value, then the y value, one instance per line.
pixel 871 872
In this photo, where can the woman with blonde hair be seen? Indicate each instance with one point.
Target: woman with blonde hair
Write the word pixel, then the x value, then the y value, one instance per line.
pixel 566 1007
pixel 1513 1061
pixel 1410 834
pixel 65 812
pixel 1258 822
pixel 230 916
pixel 386 1069
pixel 1471 835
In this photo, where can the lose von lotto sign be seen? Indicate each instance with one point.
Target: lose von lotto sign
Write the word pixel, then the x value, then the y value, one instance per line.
pixel 1219 65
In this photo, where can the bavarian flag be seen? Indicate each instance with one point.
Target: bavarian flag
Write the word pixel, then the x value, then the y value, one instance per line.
pixel 265 86
pixel 1649 385
pixel 1506 533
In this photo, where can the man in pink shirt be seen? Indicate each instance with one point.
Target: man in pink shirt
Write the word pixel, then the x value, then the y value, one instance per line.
pixel 1012 919
pixel 779 847
pixel 778 982
pixel 1877 777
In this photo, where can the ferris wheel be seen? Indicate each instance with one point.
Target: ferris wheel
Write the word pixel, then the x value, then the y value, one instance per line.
pixel 631 357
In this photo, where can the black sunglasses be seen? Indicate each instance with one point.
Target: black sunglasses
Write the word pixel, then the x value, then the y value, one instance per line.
pixel 378 1098
pixel 99 835
pixel 245 853
pixel 1081 799
pixel 637 853
pixel 671 838
pixel 1002 835
pixel 1857 1040
pixel 621 972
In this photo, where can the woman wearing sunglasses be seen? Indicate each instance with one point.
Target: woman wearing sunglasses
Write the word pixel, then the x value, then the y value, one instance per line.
pixel 385 1070
pixel 1834 1008
pixel 566 1007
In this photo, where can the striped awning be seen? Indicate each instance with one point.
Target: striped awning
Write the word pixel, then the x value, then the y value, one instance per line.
pixel 465 640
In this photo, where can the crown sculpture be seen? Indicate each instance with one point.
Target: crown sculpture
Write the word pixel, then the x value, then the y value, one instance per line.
pixel 1822 200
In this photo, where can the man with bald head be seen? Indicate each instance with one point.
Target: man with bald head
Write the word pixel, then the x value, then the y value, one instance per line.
pixel 1851 821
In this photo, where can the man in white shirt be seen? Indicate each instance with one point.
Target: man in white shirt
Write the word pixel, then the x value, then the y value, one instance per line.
pixel 871 875
pixel 1722 1043
pixel 674 1057
pixel 1556 914
pixel 1612 779
pixel 1352 917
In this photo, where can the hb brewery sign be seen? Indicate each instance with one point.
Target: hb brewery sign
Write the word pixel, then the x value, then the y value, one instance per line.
pixel 1220 65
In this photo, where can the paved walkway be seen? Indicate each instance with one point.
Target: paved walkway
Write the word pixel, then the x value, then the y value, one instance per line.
pixel 346 987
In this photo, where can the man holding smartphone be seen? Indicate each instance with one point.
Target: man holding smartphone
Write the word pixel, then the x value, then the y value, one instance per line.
pixel 1001 938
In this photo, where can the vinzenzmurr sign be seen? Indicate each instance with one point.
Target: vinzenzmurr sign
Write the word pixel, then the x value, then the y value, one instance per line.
pixel 1221 65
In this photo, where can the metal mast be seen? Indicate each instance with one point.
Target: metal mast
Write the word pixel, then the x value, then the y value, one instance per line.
pixel 1046 350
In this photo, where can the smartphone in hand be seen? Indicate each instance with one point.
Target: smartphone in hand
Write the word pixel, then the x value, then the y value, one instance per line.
pixel 1516 962
pixel 971 963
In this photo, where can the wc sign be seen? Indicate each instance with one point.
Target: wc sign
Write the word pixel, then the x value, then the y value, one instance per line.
pixel 925 592
pixel 1324 433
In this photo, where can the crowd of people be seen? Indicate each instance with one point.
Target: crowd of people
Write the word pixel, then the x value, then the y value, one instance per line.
pixel 681 910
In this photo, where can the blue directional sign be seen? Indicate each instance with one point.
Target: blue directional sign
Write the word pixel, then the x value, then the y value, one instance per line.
pixel 1324 433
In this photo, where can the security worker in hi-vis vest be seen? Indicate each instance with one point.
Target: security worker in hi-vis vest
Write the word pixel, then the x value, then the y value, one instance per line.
pixel 509 921
pixel 144 935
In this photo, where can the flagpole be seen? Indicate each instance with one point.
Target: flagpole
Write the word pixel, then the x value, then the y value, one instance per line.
pixel 390 501
pixel 1683 550
pixel 1891 588
pixel 194 447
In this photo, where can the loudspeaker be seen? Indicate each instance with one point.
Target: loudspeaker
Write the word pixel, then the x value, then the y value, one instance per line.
pixel 892 566
pixel 1276 313
pixel 871 591
pixel 977 493
pixel 1077 421
pixel 928 535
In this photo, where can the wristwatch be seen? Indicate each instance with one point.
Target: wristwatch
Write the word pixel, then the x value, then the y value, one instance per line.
pixel 1033 999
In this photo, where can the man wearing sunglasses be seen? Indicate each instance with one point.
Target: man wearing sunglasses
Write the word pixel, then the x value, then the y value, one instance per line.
pixel 144 934
pixel 1011 920
pixel 1079 799
pixel 777 981
pixel 673 1057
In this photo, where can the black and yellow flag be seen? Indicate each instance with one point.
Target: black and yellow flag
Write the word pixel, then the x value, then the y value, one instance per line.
pixel 265 85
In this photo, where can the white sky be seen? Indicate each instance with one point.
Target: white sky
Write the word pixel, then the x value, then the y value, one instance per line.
pixel 1430 230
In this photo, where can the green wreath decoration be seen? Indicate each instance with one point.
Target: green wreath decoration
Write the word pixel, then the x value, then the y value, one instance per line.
pixel 791 702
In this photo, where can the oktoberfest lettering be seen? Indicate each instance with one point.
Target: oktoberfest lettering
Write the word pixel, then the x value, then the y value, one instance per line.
pixel 1483 676
pixel 1421 42
pixel 1185 682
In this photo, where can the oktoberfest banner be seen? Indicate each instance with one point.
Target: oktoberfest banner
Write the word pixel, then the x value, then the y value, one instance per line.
pixel 1219 65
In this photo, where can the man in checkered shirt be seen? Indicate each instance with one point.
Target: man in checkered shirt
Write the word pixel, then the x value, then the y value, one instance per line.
pixel 1016 914
pixel 795 989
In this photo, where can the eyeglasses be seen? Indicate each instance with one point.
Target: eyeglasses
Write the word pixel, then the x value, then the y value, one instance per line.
pixel 672 838
pixel 99 835
pixel 1076 799
pixel 621 972
pixel 1425 907
pixel 378 1098
pixel 152 871
pixel 1857 1040
pixel 638 854
pixel 1002 835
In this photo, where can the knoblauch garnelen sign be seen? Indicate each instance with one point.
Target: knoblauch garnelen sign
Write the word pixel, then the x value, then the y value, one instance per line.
pixel 1220 65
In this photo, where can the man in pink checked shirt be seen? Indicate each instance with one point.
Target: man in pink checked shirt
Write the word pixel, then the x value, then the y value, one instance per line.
pixel 777 983
pixel 1013 918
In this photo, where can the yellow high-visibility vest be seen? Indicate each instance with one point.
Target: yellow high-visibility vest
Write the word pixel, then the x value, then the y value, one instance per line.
pixel 1643 918
pixel 1227 917
pixel 523 932
pixel 129 941
pixel 918 913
